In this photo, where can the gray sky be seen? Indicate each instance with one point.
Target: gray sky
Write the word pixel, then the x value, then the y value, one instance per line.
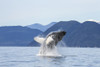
pixel 25 12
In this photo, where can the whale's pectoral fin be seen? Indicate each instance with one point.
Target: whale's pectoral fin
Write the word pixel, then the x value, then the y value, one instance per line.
pixel 39 39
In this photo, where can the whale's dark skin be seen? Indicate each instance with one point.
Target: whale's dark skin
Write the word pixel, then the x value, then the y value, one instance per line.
pixel 56 36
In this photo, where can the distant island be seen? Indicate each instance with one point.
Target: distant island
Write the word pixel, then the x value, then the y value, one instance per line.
pixel 86 34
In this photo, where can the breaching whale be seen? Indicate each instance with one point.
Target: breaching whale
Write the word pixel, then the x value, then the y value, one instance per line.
pixel 48 44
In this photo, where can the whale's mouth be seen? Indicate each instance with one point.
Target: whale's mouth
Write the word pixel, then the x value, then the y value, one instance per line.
pixel 63 32
pixel 48 47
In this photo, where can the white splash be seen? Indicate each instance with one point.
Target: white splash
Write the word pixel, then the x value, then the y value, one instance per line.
pixel 44 50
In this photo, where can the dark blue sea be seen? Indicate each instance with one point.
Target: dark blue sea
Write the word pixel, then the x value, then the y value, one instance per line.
pixel 71 57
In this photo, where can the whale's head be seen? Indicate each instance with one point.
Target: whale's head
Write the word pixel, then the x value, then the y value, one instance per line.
pixel 54 37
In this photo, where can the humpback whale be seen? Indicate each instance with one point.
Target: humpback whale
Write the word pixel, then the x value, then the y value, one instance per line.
pixel 48 44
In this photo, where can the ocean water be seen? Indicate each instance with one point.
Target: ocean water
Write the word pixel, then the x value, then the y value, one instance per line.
pixel 71 57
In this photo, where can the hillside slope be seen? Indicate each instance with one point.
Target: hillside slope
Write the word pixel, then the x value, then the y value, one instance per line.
pixel 17 35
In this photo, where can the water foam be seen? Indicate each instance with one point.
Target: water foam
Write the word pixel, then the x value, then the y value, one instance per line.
pixel 46 51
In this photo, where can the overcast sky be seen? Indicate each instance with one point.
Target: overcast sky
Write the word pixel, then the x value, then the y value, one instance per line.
pixel 25 12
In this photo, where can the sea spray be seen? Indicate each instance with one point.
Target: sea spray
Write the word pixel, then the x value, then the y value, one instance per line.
pixel 60 46
pixel 47 51
pixel 56 51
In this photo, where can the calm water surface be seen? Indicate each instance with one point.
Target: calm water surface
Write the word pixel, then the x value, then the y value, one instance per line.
pixel 26 57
